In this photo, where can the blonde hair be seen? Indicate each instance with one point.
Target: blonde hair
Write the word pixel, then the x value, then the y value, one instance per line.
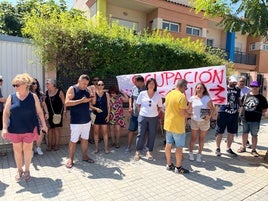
pixel 23 78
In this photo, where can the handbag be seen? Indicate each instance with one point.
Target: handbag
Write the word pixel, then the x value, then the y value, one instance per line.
pixel 56 117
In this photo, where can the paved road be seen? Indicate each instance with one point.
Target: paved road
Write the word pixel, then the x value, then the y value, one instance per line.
pixel 117 176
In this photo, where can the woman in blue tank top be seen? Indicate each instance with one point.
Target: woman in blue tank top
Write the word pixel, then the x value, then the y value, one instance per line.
pixel 20 123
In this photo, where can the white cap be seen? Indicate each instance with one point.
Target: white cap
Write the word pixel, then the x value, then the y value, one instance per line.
pixel 1 77
pixel 232 78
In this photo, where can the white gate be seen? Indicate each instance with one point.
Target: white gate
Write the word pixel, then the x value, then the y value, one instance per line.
pixel 17 55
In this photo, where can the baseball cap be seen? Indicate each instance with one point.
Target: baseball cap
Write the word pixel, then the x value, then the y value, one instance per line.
pixel 232 78
pixel 1 77
pixel 254 84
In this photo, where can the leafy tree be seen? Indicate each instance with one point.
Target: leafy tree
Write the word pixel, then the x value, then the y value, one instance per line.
pixel 12 17
pixel 247 16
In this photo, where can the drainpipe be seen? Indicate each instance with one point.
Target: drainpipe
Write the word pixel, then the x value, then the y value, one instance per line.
pixel 230 45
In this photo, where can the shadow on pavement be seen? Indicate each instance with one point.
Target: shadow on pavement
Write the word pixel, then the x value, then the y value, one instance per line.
pixel 218 184
pixel 3 187
pixel 48 187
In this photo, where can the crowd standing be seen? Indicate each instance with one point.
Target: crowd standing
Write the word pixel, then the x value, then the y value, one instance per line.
pixel 96 113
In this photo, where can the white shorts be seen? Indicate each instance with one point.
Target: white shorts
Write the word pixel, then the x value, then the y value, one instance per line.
pixel 78 130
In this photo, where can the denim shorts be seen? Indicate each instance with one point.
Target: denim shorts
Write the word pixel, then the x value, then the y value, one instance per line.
pixel 133 123
pixel 252 127
pixel 175 138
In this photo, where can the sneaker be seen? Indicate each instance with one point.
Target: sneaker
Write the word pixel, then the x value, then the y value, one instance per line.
pixel 127 150
pixel 39 151
pixel 170 167
pixel 191 156
pixel 254 153
pixel 218 152
pixel 198 158
pixel 181 170
pixel 230 151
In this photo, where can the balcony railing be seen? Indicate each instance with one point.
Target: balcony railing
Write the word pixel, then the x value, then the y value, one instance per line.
pixel 239 57
pixel 245 58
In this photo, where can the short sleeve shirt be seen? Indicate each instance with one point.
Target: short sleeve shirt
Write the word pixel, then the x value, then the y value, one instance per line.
pixel 174 120
pixel 253 106
pixel 149 106
pixel 198 104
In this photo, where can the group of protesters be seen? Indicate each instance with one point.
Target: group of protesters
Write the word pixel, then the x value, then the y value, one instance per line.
pixel 29 114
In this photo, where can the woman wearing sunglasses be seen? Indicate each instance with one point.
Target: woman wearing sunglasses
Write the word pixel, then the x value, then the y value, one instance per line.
pixel 149 105
pixel 20 123
pixel 102 110
pixel 35 88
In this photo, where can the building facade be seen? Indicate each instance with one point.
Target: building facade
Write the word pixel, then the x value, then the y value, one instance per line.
pixel 250 55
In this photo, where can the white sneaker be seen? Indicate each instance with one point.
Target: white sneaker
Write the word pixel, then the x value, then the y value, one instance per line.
pixel 198 158
pixel 39 151
pixel 191 156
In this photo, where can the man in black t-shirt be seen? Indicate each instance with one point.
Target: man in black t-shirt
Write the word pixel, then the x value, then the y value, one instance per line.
pixel 254 106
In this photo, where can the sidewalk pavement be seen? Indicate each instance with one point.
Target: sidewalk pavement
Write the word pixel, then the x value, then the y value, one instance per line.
pixel 117 176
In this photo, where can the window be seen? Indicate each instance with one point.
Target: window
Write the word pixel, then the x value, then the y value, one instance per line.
pixel 210 42
pixel 265 47
pixel 170 26
pixel 252 46
pixel 126 23
pixel 193 31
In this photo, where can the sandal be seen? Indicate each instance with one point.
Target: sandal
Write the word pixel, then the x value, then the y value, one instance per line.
pixel 254 153
pixel 19 176
pixel 69 165
pixel 149 156
pixel 106 151
pixel 96 151
pixel 48 148
pixel 241 150
pixel 89 160
pixel 27 176
pixel 137 157
pixel 56 148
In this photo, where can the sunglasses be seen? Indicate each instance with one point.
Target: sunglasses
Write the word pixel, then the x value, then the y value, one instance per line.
pixel 185 87
pixel 253 86
pixel 34 83
pixel 100 84
pixel 95 80
pixel 16 85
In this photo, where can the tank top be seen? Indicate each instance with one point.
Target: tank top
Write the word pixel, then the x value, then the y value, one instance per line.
pixel 80 113
pixel 23 116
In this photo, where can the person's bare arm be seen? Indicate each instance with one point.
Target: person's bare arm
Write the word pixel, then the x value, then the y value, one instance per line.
pixel 69 98
pixel 40 113
pixel 6 114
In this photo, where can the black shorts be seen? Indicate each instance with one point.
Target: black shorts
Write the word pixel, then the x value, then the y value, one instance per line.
pixel 227 120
